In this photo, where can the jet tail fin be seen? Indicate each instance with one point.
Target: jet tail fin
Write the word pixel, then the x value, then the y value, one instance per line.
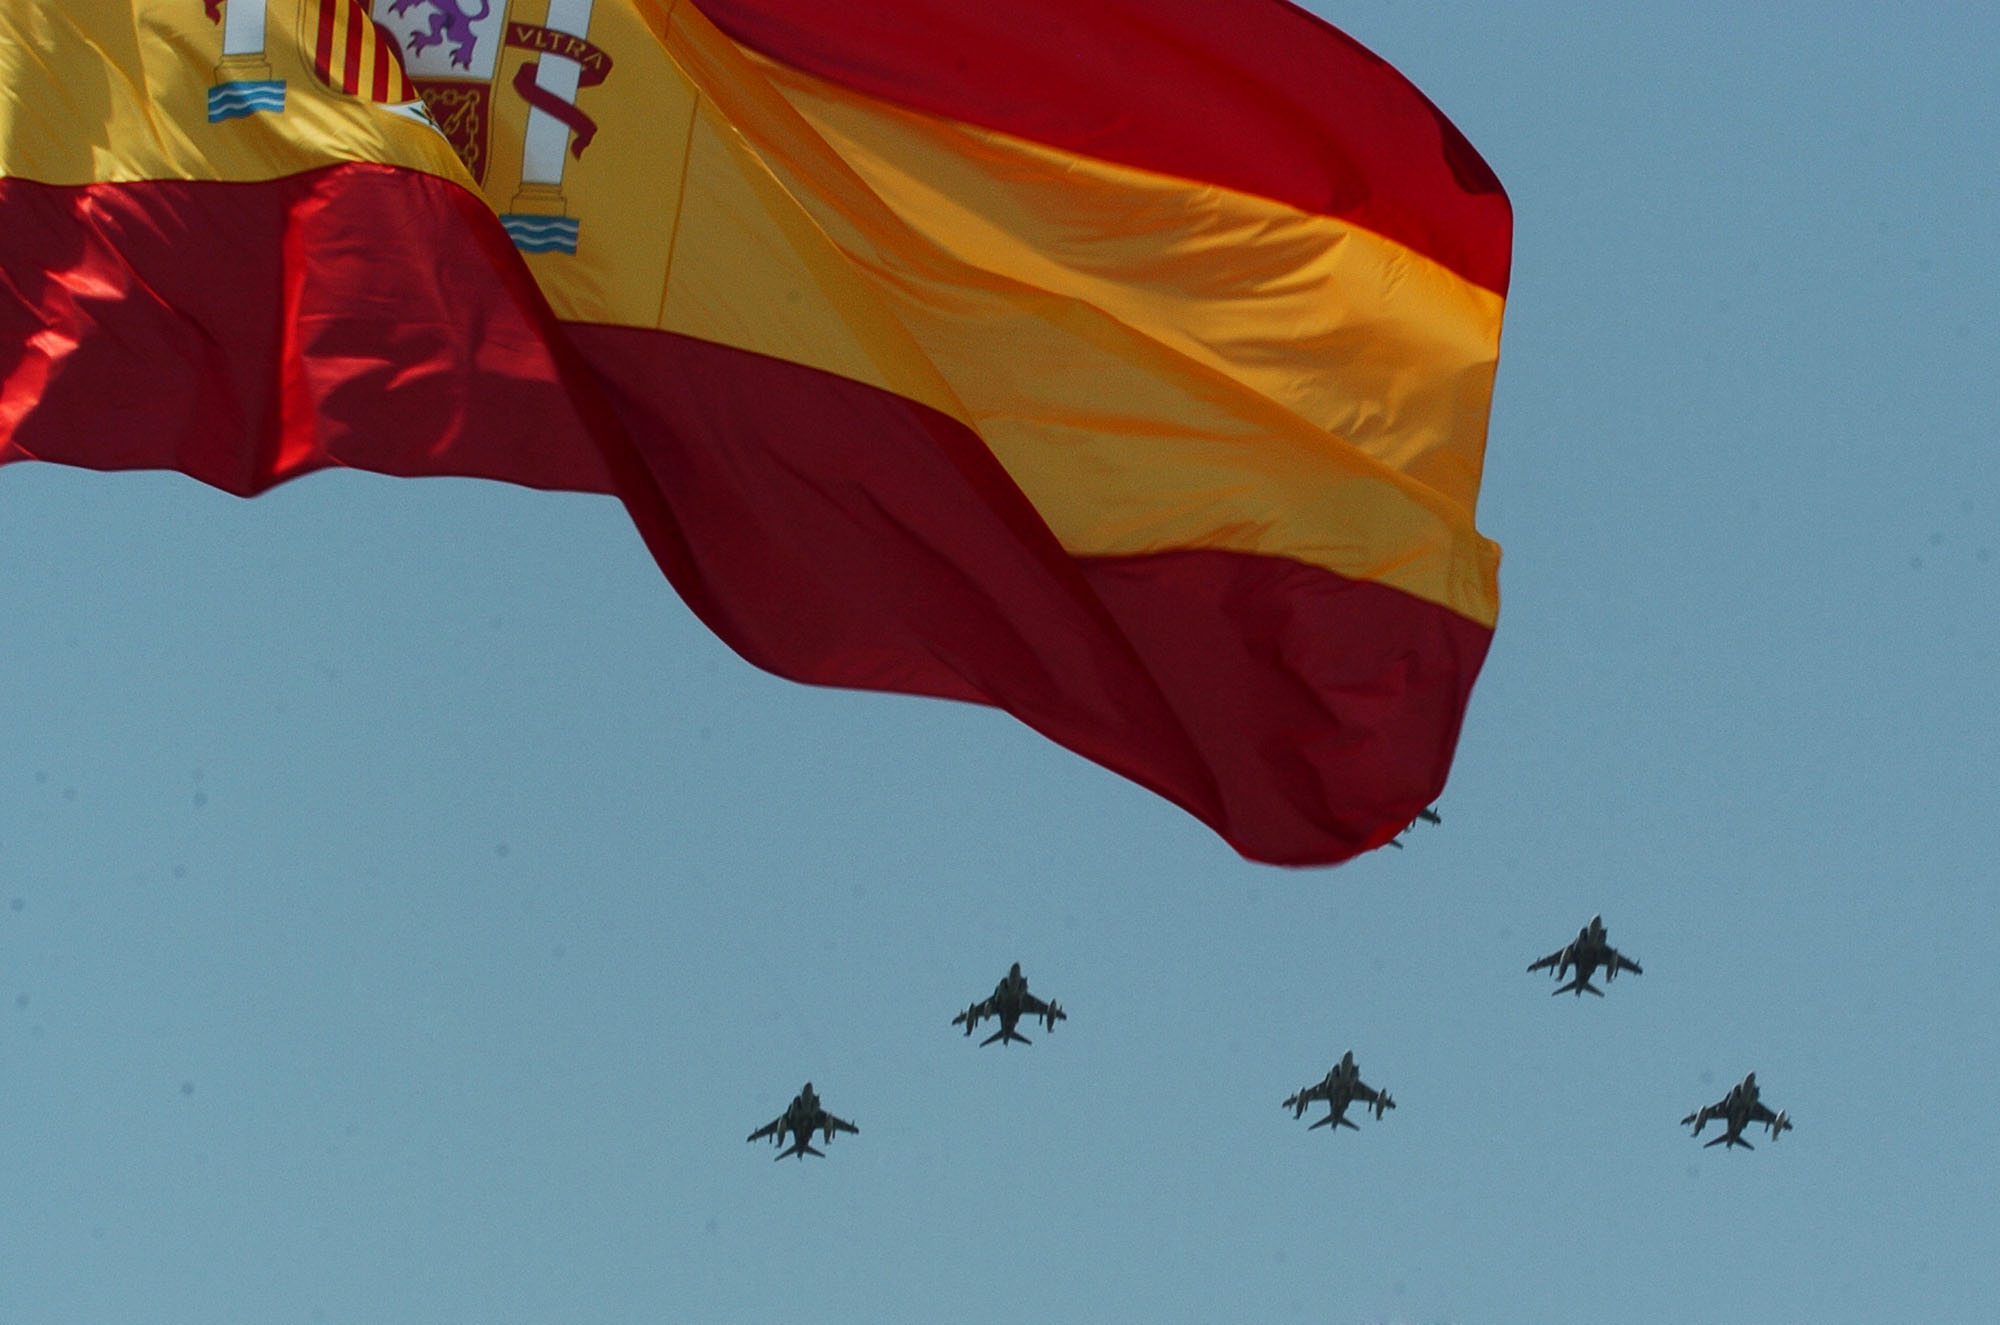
pixel 1727 1140
pixel 1580 987
pixel 801 1149
pixel 1334 1120
pixel 1003 1035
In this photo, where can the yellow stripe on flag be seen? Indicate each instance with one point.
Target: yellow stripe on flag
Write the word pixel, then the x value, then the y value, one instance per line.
pixel 1135 419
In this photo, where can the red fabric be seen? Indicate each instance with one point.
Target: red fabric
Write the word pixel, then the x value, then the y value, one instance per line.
pixel 828 531
pixel 243 334
pixel 838 534
pixel 1253 95
pixel 1327 710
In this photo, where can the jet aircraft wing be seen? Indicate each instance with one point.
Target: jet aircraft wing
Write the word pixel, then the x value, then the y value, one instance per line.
pixel 1616 961
pixel 768 1129
pixel 1033 1006
pixel 1560 955
pixel 830 1124
pixel 1700 1117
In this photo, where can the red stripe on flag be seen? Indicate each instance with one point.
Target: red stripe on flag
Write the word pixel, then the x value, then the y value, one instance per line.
pixel 1253 95
pixel 1326 709
pixel 323 43
pixel 243 334
pixel 350 69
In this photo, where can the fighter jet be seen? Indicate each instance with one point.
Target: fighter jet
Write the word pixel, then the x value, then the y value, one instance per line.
pixel 1429 816
pixel 1339 1088
pixel 1586 954
pixel 1010 1000
pixel 1738 1109
pixel 801 1118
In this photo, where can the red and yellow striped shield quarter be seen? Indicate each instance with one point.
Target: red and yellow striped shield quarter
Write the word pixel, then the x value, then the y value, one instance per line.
pixel 351 54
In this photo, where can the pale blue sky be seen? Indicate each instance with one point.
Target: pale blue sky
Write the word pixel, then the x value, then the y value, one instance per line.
pixel 407 908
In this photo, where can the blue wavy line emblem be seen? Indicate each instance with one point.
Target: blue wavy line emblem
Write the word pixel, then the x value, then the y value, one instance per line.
pixel 229 101
pixel 541 234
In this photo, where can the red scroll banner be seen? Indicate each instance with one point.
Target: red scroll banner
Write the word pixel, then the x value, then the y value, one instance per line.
pixel 593 67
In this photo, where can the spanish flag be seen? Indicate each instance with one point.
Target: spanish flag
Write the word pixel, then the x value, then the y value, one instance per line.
pixel 1124 364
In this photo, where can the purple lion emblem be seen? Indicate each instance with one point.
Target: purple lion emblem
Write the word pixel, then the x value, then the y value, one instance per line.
pixel 450 22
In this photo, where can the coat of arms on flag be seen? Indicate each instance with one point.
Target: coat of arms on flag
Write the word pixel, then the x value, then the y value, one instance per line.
pixel 456 54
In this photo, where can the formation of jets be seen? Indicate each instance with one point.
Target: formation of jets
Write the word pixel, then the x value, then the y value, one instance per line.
pixel 1010 1001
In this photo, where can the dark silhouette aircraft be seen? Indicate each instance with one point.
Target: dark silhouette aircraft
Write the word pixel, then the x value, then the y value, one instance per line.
pixel 1339 1088
pixel 1429 816
pixel 1009 1002
pixel 801 1118
pixel 1737 1110
pixel 1588 952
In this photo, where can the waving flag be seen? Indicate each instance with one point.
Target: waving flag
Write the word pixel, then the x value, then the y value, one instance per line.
pixel 1124 364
